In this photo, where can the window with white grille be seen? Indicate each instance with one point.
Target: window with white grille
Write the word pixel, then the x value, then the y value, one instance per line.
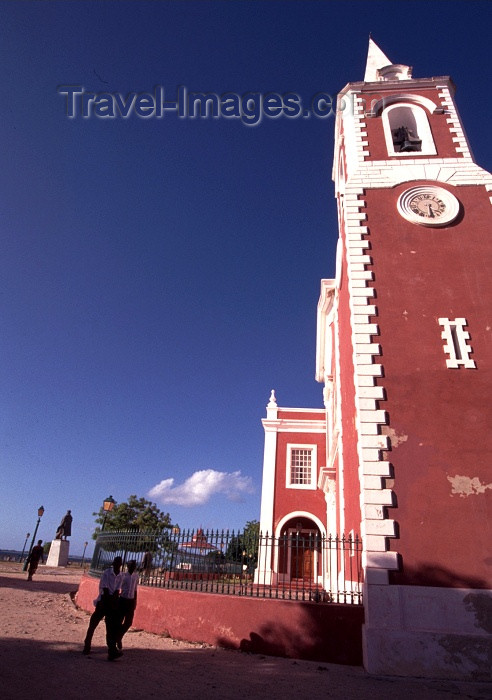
pixel 301 466
pixel 456 345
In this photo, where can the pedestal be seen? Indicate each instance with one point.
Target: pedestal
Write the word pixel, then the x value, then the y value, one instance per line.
pixel 58 555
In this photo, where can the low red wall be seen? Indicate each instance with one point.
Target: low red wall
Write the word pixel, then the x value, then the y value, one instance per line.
pixel 298 630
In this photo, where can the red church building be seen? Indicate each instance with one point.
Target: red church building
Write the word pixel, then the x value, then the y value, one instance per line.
pixel 401 454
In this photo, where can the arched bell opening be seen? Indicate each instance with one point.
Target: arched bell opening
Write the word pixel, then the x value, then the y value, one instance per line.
pixel 404 130
pixel 407 130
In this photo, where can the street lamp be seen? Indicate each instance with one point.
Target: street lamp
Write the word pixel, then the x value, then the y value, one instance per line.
pixel 242 579
pixel 83 554
pixel 108 505
pixel 40 515
pixel 24 547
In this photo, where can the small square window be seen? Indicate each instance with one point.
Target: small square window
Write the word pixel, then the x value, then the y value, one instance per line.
pixel 301 466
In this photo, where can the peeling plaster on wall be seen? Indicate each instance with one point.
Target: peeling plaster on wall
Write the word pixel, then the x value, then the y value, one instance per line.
pixel 394 437
pixel 466 486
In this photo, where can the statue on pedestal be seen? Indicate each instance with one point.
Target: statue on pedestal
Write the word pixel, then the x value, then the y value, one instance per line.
pixel 65 527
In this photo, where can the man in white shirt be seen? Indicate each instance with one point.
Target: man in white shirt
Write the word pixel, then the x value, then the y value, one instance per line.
pixel 107 607
pixel 127 601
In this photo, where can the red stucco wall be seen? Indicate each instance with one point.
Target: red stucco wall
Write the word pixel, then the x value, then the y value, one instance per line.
pixel 293 414
pixel 288 500
pixel 330 633
pixel 439 418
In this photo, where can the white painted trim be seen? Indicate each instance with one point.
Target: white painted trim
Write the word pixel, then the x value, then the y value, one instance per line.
pixel 400 99
pixel 300 410
pixel 462 147
pixel 300 514
pixel 281 425
pixel 313 448
pixel 323 326
pixel 268 482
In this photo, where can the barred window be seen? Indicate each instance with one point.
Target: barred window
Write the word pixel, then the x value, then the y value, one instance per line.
pixel 301 466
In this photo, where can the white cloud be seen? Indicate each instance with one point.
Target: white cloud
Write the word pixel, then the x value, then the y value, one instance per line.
pixel 201 486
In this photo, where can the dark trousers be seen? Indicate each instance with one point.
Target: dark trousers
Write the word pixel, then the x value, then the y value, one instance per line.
pixel 107 609
pixel 112 620
pixel 126 613
pixel 33 567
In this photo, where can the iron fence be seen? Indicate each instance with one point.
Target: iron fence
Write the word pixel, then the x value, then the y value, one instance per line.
pixel 295 566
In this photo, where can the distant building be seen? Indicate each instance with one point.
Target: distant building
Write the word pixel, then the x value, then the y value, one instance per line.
pixel 401 453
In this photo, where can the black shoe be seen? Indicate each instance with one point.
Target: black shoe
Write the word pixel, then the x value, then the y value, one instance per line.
pixel 86 651
pixel 114 655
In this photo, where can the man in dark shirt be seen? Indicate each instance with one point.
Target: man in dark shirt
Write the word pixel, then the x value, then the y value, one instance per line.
pixel 36 554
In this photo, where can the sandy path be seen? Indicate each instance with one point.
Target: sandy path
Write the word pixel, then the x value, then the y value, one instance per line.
pixel 41 635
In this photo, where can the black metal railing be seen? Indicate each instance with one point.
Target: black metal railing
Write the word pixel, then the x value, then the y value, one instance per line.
pixel 295 566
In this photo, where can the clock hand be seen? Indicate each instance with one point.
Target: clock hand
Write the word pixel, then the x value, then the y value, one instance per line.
pixel 431 211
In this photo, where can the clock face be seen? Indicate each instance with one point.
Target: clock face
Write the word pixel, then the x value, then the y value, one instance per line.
pixel 429 206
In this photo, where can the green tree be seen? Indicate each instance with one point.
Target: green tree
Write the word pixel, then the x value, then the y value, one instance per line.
pixel 243 547
pixel 136 514
pixel 136 525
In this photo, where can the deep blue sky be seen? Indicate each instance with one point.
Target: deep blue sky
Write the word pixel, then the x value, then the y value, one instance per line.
pixel 160 276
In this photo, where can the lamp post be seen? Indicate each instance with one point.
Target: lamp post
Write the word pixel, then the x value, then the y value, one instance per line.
pixel 40 515
pixel 108 505
pixel 24 547
pixel 175 530
pixel 83 554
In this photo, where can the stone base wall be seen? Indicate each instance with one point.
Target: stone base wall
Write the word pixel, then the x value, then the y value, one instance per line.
pixel 428 631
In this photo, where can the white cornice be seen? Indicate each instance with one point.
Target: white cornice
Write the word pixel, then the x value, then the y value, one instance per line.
pixel 324 319
pixel 388 173
pixel 282 425
pixel 302 410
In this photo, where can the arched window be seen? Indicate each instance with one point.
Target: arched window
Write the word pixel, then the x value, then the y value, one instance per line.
pixel 407 131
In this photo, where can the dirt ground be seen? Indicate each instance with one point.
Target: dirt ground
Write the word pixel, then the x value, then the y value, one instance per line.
pixel 41 633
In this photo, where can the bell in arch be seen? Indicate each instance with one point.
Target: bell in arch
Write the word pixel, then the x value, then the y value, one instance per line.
pixel 405 141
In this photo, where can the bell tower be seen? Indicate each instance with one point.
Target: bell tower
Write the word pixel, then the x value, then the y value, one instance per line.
pixel 410 331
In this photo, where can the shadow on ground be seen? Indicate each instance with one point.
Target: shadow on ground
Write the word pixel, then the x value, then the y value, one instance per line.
pixel 38 584
pixel 58 669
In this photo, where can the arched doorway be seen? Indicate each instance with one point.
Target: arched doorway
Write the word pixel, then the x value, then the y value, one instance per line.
pixel 299 556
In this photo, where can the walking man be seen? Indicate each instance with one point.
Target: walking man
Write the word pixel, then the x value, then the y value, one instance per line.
pixel 36 554
pixel 107 607
pixel 127 600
